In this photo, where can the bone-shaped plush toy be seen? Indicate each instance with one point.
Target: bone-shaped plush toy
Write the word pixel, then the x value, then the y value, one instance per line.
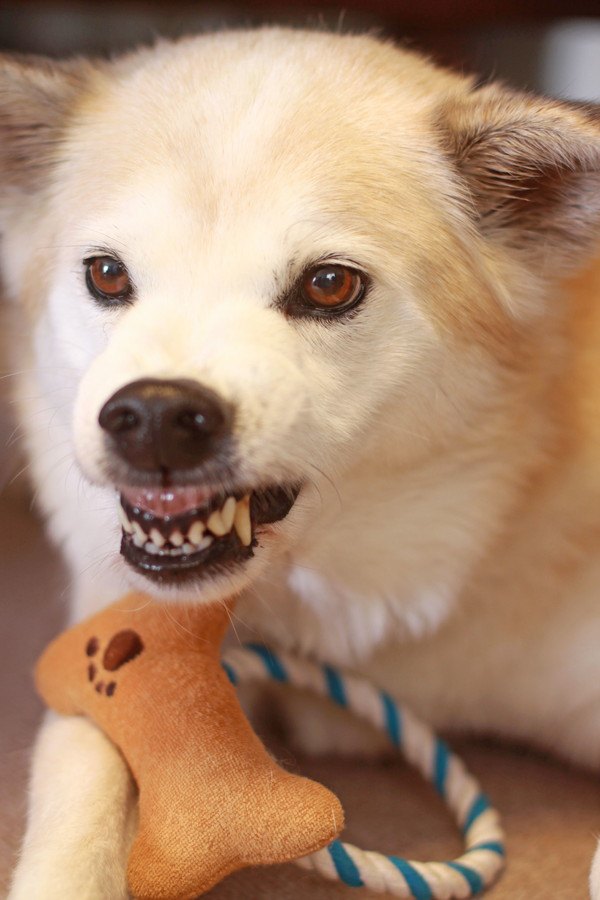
pixel 211 799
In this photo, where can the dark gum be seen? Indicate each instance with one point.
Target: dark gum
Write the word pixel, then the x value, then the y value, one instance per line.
pixel 223 553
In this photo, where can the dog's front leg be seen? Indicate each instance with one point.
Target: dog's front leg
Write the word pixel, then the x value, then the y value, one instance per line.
pixel 82 810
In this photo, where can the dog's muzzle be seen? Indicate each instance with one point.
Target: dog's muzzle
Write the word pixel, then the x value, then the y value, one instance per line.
pixel 176 526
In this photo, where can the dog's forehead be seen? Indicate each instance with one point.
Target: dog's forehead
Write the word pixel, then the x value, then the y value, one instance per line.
pixel 239 134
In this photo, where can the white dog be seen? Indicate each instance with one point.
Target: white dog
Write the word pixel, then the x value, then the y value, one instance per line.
pixel 295 307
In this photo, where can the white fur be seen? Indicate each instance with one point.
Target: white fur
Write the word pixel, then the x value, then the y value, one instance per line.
pixel 411 552
pixel 82 815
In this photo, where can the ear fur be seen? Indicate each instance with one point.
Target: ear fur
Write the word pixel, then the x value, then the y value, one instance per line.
pixel 532 169
pixel 37 96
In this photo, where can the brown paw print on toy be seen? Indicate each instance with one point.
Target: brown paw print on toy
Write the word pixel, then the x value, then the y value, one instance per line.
pixel 123 647
pixel 211 798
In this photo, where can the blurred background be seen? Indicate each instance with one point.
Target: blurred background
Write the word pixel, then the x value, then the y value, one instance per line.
pixel 547 45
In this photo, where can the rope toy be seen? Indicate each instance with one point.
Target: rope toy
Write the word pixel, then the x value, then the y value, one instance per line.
pixel 211 799
pixel 484 855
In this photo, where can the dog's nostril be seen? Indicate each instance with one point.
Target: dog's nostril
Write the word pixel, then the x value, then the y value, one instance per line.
pixel 124 421
pixel 192 421
pixel 118 418
pixel 207 419
pixel 174 425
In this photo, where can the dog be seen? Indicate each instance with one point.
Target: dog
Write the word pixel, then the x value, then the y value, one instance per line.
pixel 314 322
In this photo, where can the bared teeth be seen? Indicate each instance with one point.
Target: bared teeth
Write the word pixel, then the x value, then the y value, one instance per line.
pixel 139 535
pixel 196 533
pixel 151 548
pixel 241 521
pixel 157 538
pixel 205 542
pixel 228 513
pixel 200 533
pixel 216 524
pixel 125 523
pixel 176 538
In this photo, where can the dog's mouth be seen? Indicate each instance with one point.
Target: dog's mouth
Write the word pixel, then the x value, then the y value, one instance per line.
pixel 181 533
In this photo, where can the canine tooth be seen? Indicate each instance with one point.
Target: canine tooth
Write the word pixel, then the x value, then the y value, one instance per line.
pixel 228 513
pixel 216 524
pixel 241 521
pixel 139 535
pixel 125 523
pixel 157 538
pixel 196 533
pixel 176 538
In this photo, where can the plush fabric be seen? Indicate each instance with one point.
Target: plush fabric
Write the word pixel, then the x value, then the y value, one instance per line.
pixel 211 799
pixel 551 813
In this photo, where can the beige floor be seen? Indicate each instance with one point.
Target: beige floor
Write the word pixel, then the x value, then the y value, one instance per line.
pixel 550 813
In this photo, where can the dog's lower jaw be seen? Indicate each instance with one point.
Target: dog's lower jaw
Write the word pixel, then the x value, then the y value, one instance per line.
pixel 186 535
pixel 214 587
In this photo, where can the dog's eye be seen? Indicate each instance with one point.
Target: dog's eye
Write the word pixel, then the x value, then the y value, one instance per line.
pixel 107 278
pixel 332 288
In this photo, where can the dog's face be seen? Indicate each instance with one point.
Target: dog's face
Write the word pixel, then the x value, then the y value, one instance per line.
pixel 267 259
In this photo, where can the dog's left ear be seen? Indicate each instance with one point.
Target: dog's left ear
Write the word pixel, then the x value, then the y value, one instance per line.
pixel 532 170
pixel 37 98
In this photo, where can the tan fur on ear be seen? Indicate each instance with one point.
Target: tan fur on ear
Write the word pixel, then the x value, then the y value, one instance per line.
pixel 37 98
pixel 532 167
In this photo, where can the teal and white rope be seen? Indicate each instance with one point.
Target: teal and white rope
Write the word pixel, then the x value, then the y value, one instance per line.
pixel 483 858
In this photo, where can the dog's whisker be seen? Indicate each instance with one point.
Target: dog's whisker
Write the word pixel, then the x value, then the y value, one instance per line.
pixel 166 612
pixel 329 480
pixel 235 615
pixel 99 563
pixel 36 398
pixel 17 475
pixel 32 414
pixel 231 621
pixel 34 369
pixel 52 468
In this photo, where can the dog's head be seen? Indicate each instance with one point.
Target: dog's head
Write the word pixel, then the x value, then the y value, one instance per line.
pixel 267 258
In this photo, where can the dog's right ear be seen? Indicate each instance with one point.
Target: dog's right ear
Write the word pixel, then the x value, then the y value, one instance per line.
pixel 37 99
pixel 531 166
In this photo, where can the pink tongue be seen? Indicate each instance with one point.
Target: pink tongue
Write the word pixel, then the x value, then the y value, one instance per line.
pixel 167 501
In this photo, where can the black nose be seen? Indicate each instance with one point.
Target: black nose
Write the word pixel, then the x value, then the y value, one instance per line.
pixel 166 425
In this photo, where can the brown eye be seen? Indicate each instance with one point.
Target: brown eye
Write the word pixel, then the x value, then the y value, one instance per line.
pixel 107 278
pixel 332 287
